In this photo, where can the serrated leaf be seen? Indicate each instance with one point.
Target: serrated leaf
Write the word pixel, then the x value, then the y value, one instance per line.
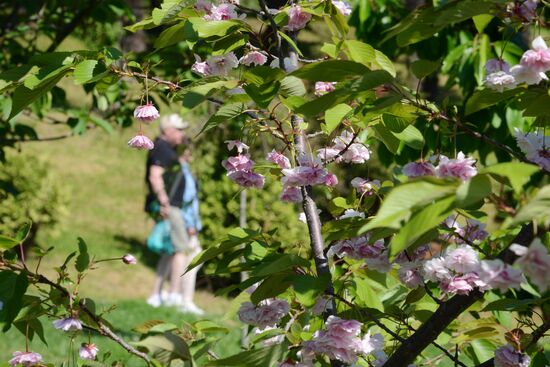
pixel 308 288
pixel 537 208
pixel 225 113
pixel 23 232
pixel 268 356
pixel 167 11
pixel 330 70
pixel 272 286
pixel 513 174
pixel 473 191
pixel 292 86
pixel 83 258
pixel 7 242
pixel 170 36
pixel 482 99
pixel 423 68
pixel 84 71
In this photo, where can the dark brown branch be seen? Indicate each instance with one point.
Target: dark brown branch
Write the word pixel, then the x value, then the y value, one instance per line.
pixel 275 30
pixel 447 312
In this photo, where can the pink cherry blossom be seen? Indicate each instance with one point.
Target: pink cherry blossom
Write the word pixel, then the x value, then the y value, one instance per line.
pixel 141 142
pixel 494 65
pixel 416 255
pixel 538 58
pixel 536 148
pixel 291 194
pixel 129 259
pixel 236 144
pixel 247 179
pixel 203 5
pixel 297 18
pixel 436 270
pixel 241 162
pixel 456 285
pixel 253 58
pixel 266 314
pixel 221 65
pixel 322 304
pixel 365 187
pixel 499 275
pixel 26 359
pixel 525 74
pixel 223 11
pixel 474 230
pixel 331 180
pixel 278 158
pixel 355 152
pixel 343 6
pixel 146 113
pixel 534 261
pixel 410 274
pixel 324 87
pixel 339 340
pixel 507 356
pixel 461 167
pixel 463 259
pixel 88 351
pixel 372 343
pixel 201 67
pixel 418 169
pixel 68 324
pixel 501 80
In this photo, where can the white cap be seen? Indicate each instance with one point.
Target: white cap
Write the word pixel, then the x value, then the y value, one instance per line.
pixel 172 120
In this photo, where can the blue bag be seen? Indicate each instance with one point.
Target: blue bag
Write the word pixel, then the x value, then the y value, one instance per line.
pixel 159 240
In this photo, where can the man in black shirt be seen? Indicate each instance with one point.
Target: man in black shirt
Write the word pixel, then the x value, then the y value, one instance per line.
pixel 166 185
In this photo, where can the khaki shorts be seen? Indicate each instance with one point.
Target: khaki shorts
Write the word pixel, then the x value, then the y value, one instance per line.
pixel 181 241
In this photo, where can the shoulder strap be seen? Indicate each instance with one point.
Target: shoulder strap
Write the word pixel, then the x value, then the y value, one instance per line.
pixel 175 185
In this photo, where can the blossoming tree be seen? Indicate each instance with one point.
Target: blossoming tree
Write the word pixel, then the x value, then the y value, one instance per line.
pixel 442 260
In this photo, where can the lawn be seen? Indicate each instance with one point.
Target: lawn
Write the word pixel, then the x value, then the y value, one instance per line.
pixel 106 183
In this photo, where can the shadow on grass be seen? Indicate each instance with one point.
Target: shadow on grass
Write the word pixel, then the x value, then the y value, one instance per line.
pixel 137 247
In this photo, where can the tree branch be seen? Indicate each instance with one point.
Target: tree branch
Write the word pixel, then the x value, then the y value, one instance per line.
pixel 447 312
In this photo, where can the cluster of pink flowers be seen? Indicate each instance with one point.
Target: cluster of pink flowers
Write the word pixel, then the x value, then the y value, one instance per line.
pixel 27 359
pixel 146 113
pixel 215 65
pixel 524 11
pixel 375 254
pixel 253 58
pixel 266 314
pixel 534 261
pixel 462 167
pixel 531 70
pixel 279 159
pixel 341 340
pixel 297 18
pixel 473 230
pixel 309 172
pixel 507 356
pixel 460 271
pixel 239 168
pixel 536 148
pixel 365 187
pixel 68 324
pixel 129 259
pixel 410 270
pixel 355 152
pixel 88 351
pixel 223 11
pixel 324 88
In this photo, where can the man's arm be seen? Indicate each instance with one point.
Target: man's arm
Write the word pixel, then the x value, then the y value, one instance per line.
pixel 157 184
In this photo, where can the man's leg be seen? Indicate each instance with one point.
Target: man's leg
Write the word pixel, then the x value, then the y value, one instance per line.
pixel 180 240
pixel 189 279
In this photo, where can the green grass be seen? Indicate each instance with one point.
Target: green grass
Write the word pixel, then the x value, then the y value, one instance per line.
pixel 107 189
pixel 126 316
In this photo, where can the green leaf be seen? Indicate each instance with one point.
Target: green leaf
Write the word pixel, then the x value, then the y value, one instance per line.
pixel 167 342
pixel 537 208
pixel 226 112
pixel 540 106
pixel 278 262
pixel 229 43
pixel 261 75
pixel 335 115
pixel 513 174
pixel 214 28
pixel 482 99
pixel 369 56
pixel 84 71
pixel 308 288
pixel 420 223
pixel 481 21
pixel 272 286
pixel 330 70
pixel 473 191
pixel 412 137
pixel 290 42
pixel 403 199
pixel 170 36
pixel 7 242
pixel 146 23
pixel 23 96
pixel 83 259
pixel 510 304
pixel 264 94
pixel 384 63
pixel 23 232
pixel 262 357
pixel 423 68
pixel 483 349
pixel 167 11
pixel 292 86
pixel 366 295
pixel 12 289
